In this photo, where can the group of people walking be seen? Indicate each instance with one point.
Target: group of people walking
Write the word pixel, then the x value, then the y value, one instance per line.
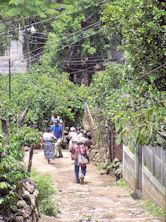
pixel 52 140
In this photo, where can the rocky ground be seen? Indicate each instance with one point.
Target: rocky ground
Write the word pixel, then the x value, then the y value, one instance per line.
pixel 98 200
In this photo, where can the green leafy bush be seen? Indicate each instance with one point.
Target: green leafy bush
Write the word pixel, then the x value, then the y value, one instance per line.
pixel 47 203
pixel 29 136
pixel 44 93
pixel 11 174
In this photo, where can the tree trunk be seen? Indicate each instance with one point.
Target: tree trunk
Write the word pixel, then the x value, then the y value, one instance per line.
pixel 21 119
pixel 30 159
pixel 5 131
pixel 85 78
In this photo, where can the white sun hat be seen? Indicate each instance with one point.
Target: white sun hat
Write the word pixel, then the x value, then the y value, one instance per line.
pixel 79 139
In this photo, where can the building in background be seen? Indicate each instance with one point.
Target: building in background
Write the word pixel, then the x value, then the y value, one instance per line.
pixel 17 62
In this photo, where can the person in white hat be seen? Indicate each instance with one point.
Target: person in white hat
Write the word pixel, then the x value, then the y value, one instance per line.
pixel 81 158
pixel 72 137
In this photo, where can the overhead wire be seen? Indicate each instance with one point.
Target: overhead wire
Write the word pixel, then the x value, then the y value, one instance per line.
pixel 52 17
pixel 77 41
pixel 55 79
pixel 36 49
pixel 82 99
pixel 60 39
pixel 82 29
pixel 46 20
pixel 20 19
pixel 151 71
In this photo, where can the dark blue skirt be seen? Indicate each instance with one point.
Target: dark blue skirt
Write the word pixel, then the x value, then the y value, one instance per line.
pixel 49 150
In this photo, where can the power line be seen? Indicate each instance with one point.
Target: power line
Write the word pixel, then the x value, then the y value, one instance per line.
pixel 46 20
pixel 78 40
pixel 49 92
pixel 86 28
pixel 20 19
pixel 81 60
pixel 94 25
pixel 60 39
pixel 34 37
pixel 50 43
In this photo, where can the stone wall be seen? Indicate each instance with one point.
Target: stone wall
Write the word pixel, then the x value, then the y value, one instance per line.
pixel 27 205
pixel 101 157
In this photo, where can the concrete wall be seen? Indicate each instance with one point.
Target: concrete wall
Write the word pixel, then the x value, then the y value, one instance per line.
pixel 129 172
pixel 151 188
pixel 17 66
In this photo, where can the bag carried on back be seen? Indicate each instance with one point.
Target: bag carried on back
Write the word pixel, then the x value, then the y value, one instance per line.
pixel 82 160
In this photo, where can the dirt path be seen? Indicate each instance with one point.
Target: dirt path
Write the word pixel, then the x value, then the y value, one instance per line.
pixel 98 200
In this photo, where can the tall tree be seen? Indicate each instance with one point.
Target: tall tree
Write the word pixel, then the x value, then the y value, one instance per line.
pixel 22 13
pixel 142 24
pixel 78 43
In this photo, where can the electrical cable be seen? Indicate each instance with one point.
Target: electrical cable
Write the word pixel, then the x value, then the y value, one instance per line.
pixel 56 41
pixel 83 29
pixel 77 40
pixel 20 19
pixel 91 25
pixel 53 18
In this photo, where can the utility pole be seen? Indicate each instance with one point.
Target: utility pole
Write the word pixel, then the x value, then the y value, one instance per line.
pixel 28 54
pixel 9 39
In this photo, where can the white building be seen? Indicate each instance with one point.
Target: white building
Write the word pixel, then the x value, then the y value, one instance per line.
pixel 17 62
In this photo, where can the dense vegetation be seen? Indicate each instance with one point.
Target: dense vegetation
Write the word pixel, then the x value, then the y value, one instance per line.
pixel 78 41
pixel 134 95
pixel 131 95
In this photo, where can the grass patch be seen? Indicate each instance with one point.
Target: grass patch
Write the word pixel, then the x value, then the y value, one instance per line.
pixel 80 195
pixel 104 185
pixel 122 183
pixel 99 167
pixel 153 208
pixel 134 196
pixel 47 203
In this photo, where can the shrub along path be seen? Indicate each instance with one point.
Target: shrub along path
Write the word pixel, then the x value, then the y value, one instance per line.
pixel 98 200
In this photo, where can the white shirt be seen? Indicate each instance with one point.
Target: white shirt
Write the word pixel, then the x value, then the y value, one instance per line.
pixel 47 136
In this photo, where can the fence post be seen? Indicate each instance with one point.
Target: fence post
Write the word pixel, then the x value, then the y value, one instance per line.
pixel 153 160
pixel 98 119
pixel 111 145
pixel 138 170
pixel 163 163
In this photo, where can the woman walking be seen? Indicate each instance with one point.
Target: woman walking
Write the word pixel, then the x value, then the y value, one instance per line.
pixel 49 150
pixel 81 158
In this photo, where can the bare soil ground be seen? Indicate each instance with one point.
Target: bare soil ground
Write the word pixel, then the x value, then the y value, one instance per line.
pixel 98 200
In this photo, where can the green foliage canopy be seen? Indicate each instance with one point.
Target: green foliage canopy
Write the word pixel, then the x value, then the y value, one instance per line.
pixel 78 42
pixel 44 93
